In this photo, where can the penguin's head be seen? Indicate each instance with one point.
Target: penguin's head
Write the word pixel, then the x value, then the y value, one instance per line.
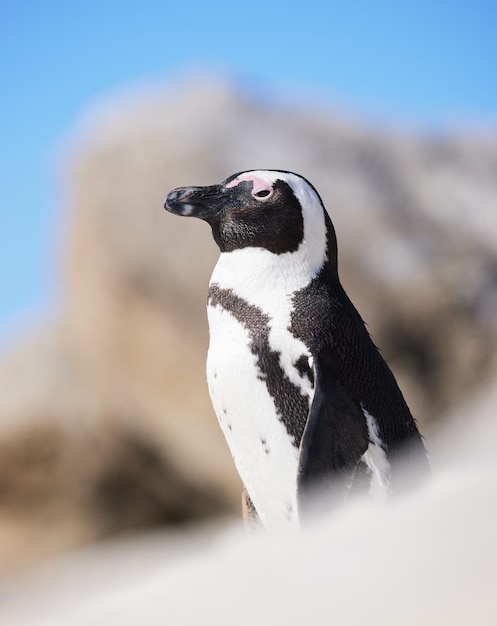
pixel 275 210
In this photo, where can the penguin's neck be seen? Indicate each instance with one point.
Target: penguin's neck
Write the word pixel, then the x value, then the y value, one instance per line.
pixel 257 274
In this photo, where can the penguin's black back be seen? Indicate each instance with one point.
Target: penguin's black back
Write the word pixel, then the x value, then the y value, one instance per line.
pixel 327 321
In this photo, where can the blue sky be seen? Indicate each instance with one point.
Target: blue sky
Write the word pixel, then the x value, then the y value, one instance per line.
pixel 427 63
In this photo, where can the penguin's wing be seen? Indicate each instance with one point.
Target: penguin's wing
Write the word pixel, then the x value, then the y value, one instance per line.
pixel 335 436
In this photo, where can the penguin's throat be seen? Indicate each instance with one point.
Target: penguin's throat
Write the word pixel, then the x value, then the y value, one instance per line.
pixel 257 269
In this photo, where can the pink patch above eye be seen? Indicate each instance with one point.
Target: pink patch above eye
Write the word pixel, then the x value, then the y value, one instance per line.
pixel 258 184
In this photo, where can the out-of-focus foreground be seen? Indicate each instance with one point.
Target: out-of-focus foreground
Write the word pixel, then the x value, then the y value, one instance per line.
pixel 105 422
pixel 427 558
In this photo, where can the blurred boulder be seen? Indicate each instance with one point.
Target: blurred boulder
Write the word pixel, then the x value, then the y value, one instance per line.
pixel 107 410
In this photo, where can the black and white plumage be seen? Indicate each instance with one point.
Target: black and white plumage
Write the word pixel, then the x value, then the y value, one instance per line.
pixel 302 394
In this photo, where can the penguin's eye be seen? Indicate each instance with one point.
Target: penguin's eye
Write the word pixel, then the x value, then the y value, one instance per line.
pixel 262 194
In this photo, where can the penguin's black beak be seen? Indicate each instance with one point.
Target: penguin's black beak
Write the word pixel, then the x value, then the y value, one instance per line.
pixel 202 202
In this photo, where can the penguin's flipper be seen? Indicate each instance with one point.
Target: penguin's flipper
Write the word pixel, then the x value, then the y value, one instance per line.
pixel 335 436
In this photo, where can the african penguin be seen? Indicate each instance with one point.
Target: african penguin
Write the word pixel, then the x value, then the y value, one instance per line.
pixel 301 392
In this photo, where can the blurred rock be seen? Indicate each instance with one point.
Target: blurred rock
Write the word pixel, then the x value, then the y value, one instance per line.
pixel 107 410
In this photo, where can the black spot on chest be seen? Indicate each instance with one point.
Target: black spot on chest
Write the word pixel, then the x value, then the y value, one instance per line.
pixel 304 369
pixel 292 407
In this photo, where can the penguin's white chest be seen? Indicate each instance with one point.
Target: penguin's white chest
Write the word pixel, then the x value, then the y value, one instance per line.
pixel 238 370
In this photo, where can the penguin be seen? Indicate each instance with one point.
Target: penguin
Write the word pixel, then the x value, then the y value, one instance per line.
pixel 305 400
